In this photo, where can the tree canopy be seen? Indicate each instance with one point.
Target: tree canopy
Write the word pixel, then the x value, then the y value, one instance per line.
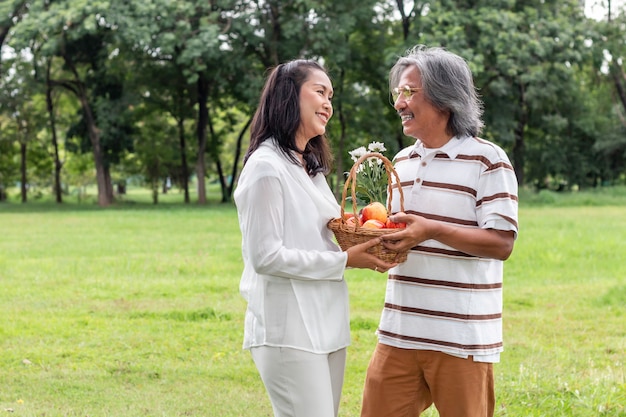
pixel 164 91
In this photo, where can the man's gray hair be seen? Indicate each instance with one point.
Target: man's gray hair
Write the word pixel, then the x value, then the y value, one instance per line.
pixel 447 83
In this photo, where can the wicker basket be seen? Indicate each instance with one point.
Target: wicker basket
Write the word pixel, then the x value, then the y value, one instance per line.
pixel 350 235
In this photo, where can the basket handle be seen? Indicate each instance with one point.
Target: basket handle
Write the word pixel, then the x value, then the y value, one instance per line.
pixel 351 182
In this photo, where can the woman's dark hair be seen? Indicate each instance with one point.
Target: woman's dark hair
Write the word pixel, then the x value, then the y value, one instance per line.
pixel 278 116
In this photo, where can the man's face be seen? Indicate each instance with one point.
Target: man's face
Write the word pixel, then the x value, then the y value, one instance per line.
pixel 420 119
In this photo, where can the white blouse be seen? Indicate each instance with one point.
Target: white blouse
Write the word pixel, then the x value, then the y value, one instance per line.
pixel 293 270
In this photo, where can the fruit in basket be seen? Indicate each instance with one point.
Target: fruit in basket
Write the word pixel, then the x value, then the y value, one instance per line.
pixel 374 211
pixel 393 225
pixel 352 221
pixel 373 224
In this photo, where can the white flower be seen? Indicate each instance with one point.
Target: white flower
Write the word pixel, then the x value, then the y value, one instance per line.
pixel 372 175
pixel 373 161
pixel 357 153
pixel 376 147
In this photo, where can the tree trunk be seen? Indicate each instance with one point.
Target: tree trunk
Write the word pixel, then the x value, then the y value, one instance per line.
pixel 55 144
pixel 214 151
pixel 155 191
pixel 108 183
pixel 223 187
pixel 619 78
pixel 105 191
pixel 235 170
pixel 105 198
pixel 203 116
pixel 183 158
pixel 4 31
pixel 24 180
pixel 406 22
pixel 617 73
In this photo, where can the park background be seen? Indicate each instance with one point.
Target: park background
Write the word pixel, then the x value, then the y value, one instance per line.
pixel 134 310
pixel 119 269
pixel 158 93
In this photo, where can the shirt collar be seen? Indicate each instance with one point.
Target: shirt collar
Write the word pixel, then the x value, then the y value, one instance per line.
pixel 452 148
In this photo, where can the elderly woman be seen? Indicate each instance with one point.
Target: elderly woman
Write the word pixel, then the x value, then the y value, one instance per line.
pixel 297 325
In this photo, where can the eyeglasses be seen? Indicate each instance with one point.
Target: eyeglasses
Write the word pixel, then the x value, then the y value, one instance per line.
pixel 406 91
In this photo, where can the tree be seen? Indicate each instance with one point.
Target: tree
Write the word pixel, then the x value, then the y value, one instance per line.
pixel 186 35
pixel 22 102
pixel 616 47
pixel 606 74
pixel 264 34
pixel 10 13
pixel 521 53
pixel 167 91
pixel 65 25
pixel 131 66
pixel 9 172
pixel 156 154
pixel 613 144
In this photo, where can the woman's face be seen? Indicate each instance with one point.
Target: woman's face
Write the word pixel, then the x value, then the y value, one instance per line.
pixel 316 108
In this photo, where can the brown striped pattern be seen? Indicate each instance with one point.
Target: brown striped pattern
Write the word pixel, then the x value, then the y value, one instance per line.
pixel 443 252
pixel 451 187
pixel 436 343
pixel 443 314
pixel 442 298
pixel 444 218
pixel 441 283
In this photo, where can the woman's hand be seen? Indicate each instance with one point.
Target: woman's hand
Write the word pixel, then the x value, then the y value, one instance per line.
pixel 358 257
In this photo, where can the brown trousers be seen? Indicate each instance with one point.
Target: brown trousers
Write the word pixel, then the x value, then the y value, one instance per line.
pixel 405 382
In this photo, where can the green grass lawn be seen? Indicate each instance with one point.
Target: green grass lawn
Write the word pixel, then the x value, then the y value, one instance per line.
pixel 134 311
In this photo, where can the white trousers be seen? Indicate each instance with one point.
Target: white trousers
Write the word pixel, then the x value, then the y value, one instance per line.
pixel 299 383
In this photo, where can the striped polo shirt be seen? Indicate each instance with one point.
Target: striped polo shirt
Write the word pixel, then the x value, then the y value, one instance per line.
pixel 440 298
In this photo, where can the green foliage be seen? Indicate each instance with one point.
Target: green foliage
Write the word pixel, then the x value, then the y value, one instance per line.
pixel 9 169
pixel 551 93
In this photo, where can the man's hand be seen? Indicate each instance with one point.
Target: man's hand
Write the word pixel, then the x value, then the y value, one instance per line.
pixel 485 243
pixel 415 232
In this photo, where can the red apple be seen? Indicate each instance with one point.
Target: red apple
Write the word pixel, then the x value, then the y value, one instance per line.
pixel 392 225
pixel 352 221
pixel 375 211
pixel 373 224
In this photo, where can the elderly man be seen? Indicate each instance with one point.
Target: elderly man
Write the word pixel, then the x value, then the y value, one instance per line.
pixel 441 327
